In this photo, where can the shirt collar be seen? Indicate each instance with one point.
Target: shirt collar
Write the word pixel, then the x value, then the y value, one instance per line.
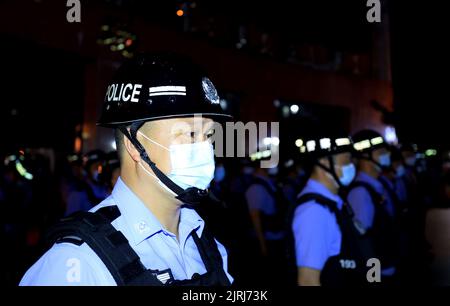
pixel 317 187
pixel 364 177
pixel 140 221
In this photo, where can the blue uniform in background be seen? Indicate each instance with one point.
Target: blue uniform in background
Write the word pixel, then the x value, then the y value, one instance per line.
pixel 259 198
pixel 316 232
pixel 79 200
pixel 391 197
pixel 400 189
pixel 361 202
pixel 69 264
pixel 364 208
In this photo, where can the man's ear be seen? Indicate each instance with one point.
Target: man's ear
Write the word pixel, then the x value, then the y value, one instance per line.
pixel 131 150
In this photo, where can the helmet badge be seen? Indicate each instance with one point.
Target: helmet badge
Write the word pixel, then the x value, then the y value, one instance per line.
pixel 210 91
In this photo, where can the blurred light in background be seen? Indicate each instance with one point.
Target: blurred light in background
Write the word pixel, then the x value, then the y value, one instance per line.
pixel 113 145
pixel 431 152
pixel 390 135
pixel 275 141
pixel 299 143
pixel 294 109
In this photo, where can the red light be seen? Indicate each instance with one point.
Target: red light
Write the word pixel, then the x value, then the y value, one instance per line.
pixel 180 13
pixel 128 42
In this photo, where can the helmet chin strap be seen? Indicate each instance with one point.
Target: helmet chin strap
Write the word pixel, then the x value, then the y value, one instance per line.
pixel 190 196
pixel 331 171
pixel 371 159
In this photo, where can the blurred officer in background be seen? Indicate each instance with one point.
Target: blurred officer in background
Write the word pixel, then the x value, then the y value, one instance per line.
pixel 111 170
pixel 146 232
pixel 293 180
pixel 330 249
pixel 399 171
pixel 16 197
pixel 370 201
pixel 267 207
pixel 90 189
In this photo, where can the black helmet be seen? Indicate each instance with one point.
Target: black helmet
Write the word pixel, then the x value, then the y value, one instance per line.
pixel 321 146
pixel 368 141
pixel 158 86
pixel 326 144
pixel 409 147
pixel 396 154
pixel 321 142
pixel 92 157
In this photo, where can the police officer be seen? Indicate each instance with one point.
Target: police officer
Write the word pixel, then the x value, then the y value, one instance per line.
pixel 264 207
pixel 146 232
pixel 390 178
pixel 330 249
pixel 266 204
pixel 90 190
pixel 369 199
pixel 111 169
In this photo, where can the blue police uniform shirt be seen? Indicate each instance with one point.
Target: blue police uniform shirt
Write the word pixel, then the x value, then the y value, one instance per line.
pixel 100 191
pixel 69 264
pixel 258 198
pixel 363 207
pixel 361 202
pixel 390 206
pixel 79 200
pixel 400 189
pixel 316 232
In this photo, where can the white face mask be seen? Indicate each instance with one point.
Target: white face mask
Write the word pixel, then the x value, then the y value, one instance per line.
pixel 400 171
pixel 348 174
pixel 385 160
pixel 192 164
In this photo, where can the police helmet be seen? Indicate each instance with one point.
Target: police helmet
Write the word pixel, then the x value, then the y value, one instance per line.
pixel 322 146
pixel 325 145
pixel 159 86
pixel 366 141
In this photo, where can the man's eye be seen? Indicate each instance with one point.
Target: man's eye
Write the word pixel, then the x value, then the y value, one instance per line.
pixel 188 134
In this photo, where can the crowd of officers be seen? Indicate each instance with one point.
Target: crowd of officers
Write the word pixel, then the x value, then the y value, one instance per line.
pixel 317 220
pixel 352 211
pixel 343 211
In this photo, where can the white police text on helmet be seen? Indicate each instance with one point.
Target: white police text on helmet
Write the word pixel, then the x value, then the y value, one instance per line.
pixel 123 92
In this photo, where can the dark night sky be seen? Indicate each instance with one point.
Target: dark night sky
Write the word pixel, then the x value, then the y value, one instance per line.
pixel 420 64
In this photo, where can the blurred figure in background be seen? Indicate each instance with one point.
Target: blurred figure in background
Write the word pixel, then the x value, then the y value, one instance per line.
pixel 267 207
pixel 292 180
pixel 329 246
pixel 110 170
pixel 90 188
pixel 15 201
pixel 243 248
pixel 420 187
pixel 371 202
